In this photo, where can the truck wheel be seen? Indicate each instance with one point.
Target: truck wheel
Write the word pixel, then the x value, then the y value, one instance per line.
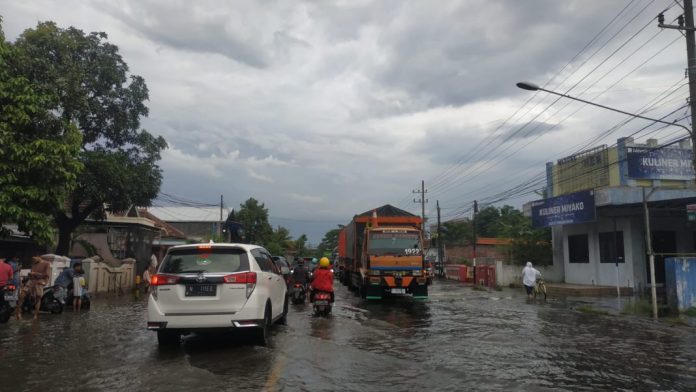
pixel 420 290
pixel 363 291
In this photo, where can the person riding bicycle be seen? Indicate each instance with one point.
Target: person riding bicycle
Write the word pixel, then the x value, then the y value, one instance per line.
pixel 322 279
pixel 529 278
pixel 300 274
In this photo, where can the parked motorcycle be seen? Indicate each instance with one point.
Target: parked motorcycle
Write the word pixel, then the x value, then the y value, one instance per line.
pixel 322 303
pixel 299 294
pixel 49 303
pixel 8 302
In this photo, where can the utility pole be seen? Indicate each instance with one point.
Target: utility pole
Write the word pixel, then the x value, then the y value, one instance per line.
pixel 685 23
pixel 422 202
pixel 221 221
pixel 474 239
pixel 651 255
pixel 440 253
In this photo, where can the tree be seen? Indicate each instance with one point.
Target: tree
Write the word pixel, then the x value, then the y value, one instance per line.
pixel 279 242
pixel 254 217
pixel 330 241
pixel 94 91
pixel 532 245
pixel 488 222
pixel 38 152
pixel 457 233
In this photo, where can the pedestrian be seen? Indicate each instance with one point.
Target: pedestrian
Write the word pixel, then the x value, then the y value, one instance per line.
pixel 38 278
pixel 65 279
pixel 78 287
pixel 529 277
pixel 146 279
pixel 16 267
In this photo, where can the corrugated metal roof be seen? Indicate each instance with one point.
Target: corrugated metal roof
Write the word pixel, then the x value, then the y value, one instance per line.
pixel 189 214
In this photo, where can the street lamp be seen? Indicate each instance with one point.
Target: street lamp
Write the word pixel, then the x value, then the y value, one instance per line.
pixel 651 254
pixel 534 87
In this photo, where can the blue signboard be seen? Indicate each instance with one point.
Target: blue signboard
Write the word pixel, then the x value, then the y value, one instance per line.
pixel 660 164
pixel 568 209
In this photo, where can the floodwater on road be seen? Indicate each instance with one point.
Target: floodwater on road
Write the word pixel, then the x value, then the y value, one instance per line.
pixel 458 339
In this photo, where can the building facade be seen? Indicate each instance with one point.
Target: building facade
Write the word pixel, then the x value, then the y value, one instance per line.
pixel 597 210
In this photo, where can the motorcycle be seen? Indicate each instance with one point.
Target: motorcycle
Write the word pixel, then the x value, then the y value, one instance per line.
pixel 322 303
pixel 8 302
pixel 298 293
pixel 49 303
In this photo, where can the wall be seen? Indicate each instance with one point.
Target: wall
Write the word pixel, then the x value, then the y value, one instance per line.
pixel 102 278
pixel 484 253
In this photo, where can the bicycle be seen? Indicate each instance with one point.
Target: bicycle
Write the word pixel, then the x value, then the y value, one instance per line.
pixel 540 288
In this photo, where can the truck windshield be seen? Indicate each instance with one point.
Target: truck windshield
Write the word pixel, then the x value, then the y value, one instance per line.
pixel 398 244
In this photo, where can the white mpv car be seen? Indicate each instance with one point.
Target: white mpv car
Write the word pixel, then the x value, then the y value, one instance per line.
pixel 216 286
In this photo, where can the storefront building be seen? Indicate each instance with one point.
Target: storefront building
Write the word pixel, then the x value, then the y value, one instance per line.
pixel 597 206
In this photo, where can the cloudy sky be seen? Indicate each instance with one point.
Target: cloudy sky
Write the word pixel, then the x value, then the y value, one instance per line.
pixel 325 109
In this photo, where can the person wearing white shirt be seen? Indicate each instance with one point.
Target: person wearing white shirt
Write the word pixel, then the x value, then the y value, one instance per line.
pixel 529 277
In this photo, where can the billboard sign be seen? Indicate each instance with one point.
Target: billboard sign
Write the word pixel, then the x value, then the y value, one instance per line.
pixel 578 207
pixel 660 164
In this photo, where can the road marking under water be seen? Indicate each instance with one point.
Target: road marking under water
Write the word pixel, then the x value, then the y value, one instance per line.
pixel 274 375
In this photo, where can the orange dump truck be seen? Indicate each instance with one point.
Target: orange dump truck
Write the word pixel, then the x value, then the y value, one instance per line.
pixel 380 253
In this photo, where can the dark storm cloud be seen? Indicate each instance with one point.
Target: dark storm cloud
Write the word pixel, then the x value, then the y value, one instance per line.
pixel 176 24
pixel 478 50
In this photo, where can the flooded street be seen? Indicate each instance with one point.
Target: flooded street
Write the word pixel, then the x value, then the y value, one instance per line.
pixel 458 339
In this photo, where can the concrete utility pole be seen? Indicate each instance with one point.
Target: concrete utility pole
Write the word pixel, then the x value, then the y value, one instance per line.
pixel 440 253
pixel 686 25
pixel 651 255
pixel 221 219
pixel 474 239
pixel 422 202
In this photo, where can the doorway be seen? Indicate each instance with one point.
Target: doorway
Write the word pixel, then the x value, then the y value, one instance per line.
pixel 663 241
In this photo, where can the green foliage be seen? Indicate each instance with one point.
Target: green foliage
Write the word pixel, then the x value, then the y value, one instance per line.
pixel 691 312
pixel 89 85
pixel 279 242
pixel 254 217
pixel 329 242
pixel 38 151
pixel 457 233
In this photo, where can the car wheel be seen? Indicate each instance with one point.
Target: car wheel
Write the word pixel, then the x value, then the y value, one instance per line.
pixel 168 338
pixel 283 320
pixel 262 333
pixel 56 307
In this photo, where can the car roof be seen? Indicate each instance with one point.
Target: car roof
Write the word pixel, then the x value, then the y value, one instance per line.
pixel 217 245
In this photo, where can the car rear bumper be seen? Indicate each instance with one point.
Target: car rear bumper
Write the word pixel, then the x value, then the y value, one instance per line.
pixel 247 317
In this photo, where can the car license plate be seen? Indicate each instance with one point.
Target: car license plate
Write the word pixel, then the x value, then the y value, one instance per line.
pixel 201 290
pixel 319 303
pixel 398 291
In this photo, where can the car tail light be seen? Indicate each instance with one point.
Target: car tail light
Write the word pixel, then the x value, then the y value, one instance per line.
pixel 298 285
pixel 10 287
pixel 162 280
pixel 243 277
pixel 248 278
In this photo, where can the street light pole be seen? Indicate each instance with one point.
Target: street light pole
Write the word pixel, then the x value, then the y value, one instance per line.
pixel 534 87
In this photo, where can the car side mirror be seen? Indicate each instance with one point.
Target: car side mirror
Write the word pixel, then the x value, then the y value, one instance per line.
pixel 284 270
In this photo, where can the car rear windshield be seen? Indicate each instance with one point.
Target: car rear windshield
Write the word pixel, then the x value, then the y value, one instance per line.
pixel 226 260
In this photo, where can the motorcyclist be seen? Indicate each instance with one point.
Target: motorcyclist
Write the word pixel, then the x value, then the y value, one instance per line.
pixel 64 280
pixel 300 274
pixel 322 279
